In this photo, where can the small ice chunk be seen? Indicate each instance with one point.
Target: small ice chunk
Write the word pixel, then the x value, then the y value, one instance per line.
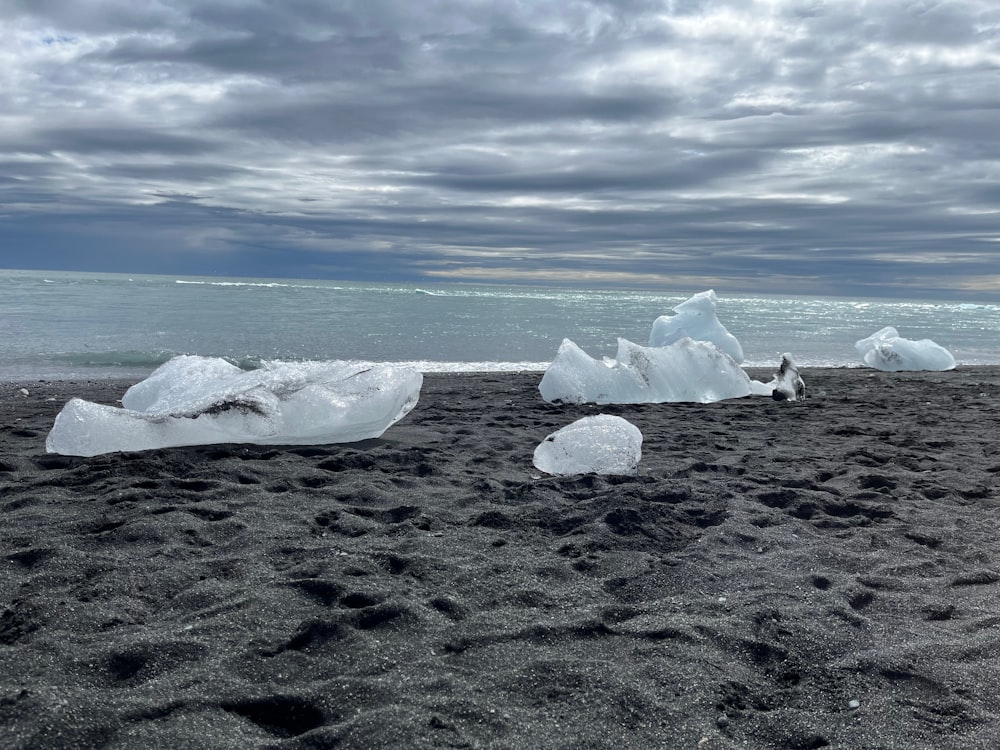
pixel 200 401
pixel 24 392
pixel 887 350
pixel 687 370
pixel 602 444
pixel 788 384
pixel 695 318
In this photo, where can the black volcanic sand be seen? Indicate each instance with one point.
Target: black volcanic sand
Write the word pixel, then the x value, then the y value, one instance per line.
pixel 779 575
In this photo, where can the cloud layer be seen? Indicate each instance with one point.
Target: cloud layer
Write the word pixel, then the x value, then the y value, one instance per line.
pixel 814 147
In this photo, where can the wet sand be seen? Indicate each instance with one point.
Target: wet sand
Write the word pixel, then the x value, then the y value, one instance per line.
pixel 778 575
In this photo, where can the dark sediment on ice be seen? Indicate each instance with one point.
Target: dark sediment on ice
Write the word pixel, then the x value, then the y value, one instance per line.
pixel 778 575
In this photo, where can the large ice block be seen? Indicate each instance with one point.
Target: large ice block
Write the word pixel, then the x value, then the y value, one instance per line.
pixel 198 401
pixel 686 370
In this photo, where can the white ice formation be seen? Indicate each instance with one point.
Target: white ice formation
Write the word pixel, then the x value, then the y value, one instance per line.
pixel 686 370
pixel 887 350
pixel 602 444
pixel 787 384
pixel 200 400
pixel 695 318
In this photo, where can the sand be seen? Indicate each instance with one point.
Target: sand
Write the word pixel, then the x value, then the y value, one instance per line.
pixel 778 575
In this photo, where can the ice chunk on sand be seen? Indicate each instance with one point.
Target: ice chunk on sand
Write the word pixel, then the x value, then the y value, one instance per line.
pixel 181 381
pixel 684 371
pixel 887 350
pixel 602 444
pixel 695 318
pixel 787 384
pixel 199 401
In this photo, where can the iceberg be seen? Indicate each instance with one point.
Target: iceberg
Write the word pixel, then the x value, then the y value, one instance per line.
pixel 887 350
pixel 602 444
pixel 193 400
pixel 695 318
pixel 686 370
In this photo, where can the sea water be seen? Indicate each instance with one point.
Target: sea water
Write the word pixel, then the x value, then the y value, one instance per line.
pixel 76 325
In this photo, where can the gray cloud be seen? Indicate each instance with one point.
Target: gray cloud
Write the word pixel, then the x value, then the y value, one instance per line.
pixel 115 139
pixel 849 146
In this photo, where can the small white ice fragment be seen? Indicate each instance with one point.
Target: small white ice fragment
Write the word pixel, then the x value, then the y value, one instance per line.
pixel 788 384
pixel 24 392
pixel 602 444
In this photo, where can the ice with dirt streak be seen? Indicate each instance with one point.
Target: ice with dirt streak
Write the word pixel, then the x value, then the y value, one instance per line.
pixel 695 318
pixel 193 400
pixel 687 370
pixel 602 444
pixel 787 384
pixel 887 350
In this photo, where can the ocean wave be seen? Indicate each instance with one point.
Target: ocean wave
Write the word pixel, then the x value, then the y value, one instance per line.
pixel 265 284
pixel 137 360
pixel 113 358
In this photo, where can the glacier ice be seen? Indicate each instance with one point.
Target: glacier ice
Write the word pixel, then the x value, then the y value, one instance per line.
pixel 193 400
pixel 887 350
pixel 686 370
pixel 787 384
pixel 184 381
pixel 695 318
pixel 602 444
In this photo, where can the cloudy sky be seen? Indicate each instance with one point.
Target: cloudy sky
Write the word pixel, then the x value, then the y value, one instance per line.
pixel 814 146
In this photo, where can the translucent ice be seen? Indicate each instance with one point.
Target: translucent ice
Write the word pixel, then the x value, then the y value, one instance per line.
pixel 182 382
pixel 603 444
pixel 696 319
pixel 887 350
pixel 199 401
pixel 684 371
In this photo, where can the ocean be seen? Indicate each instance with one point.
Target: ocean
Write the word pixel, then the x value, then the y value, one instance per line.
pixel 80 326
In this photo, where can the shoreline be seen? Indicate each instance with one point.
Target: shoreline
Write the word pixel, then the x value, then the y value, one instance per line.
pixel 807 574
pixel 754 371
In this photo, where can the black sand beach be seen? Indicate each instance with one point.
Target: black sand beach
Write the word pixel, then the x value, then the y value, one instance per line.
pixel 800 575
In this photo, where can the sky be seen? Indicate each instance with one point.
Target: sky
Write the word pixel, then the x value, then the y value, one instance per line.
pixel 775 146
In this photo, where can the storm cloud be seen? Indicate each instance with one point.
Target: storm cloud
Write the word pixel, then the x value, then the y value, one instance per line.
pixel 815 147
